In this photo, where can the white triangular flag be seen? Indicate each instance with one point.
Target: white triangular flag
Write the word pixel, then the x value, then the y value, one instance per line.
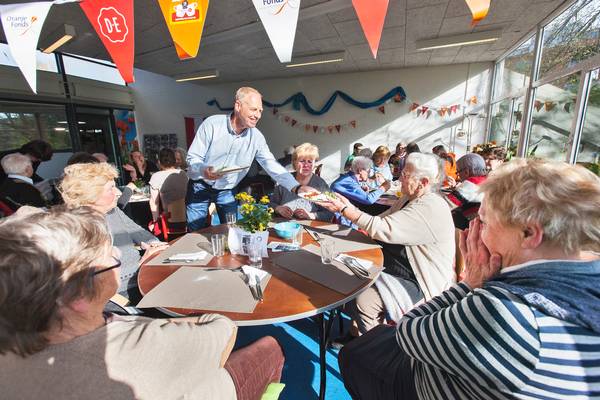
pixel 22 25
pixel 279 18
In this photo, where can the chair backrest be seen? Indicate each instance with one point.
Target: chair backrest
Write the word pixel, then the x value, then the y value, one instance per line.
pixel 5 210
pixel 318 169
pixel 173 219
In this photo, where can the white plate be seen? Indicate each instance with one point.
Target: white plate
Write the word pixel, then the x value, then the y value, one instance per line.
pixel 233 168
pixel 310 196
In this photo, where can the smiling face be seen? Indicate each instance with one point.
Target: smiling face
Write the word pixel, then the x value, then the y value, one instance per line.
pixel 247 111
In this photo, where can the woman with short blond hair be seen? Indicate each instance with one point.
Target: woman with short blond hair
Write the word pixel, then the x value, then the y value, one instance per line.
pixel 525 321
pixel 381 157
pixel 287 204
pixel 93 185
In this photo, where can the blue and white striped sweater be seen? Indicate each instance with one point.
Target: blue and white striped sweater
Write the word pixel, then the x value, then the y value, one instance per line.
pixel 489 344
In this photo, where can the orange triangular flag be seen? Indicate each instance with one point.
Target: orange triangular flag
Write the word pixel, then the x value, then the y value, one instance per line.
pixel 371 14
pixel 353 123
pixel 185 22
pixel 479 9
pixel 307 127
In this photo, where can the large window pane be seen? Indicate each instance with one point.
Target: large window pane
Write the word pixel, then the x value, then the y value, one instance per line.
pixel 589 146
pixel 22 122
pixel 553 114
pixel 516 69
pixel 500 120
pixel 572 37
pixel 91 70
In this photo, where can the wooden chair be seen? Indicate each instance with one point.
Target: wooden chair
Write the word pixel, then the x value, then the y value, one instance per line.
pixel 173 219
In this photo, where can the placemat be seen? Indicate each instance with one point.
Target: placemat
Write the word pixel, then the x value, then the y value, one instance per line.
pixel 307 262
pixel 190 243
pixel 346 239
pixel 196 288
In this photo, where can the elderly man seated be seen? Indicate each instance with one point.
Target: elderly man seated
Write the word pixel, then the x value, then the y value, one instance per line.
pixel 58 269
pixel 18 190
pixel 354 184
pixel 465 196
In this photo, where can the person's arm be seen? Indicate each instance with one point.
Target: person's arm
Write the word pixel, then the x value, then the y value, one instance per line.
pixel 138 234
pixel 275 170
pixel 126 194
pixel 154 203
pixel 351 189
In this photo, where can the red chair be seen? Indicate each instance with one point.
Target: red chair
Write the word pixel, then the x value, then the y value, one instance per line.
pixel 173 220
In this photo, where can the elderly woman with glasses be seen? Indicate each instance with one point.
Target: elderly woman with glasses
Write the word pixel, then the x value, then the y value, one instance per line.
pixel 525 321
pixel 288 204
pixel 58 269
pixel 93 185
pixel 417 239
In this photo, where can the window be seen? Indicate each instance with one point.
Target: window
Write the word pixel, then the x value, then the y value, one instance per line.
pixel 105 72
pixel 572 37
pixel 515 69
pixel 45 62
pixel 500 120
pixel 552 117
pixel 22 122
pixel 589 146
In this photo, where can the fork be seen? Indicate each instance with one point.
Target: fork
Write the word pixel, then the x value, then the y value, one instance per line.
pixel 355 268
pixel 246 280
pixel 258 288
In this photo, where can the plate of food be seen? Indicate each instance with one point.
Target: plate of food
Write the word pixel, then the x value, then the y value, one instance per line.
pixel 231 168
pixel 317 196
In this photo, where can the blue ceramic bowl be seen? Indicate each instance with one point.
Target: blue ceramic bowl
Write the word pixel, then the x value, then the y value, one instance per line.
pixel 286 230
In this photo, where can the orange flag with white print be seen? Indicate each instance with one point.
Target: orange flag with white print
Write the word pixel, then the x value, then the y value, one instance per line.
pixel 185 20
pixel 479 9
pixel 371 14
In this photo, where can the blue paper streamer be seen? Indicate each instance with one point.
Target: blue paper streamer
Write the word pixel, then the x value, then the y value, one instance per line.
pixel 299 101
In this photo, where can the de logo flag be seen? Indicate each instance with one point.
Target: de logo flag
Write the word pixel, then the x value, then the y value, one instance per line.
pixel 113 22
pixel 185 20
pixel 22 25
pixel 279 17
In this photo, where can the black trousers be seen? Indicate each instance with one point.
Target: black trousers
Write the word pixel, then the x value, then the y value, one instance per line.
pixel 374 366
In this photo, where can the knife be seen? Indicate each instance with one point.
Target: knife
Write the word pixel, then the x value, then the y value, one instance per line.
pixel 312 234
pixel 259 291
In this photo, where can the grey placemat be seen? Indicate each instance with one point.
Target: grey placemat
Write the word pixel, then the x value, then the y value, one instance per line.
pixel 307 262
pixel 190 243
pixel 195 288
pixel 346 239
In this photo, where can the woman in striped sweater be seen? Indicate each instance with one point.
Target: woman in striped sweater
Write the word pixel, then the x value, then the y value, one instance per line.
pixel 525 322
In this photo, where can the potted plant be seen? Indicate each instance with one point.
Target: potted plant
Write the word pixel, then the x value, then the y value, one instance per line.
pixel 251 228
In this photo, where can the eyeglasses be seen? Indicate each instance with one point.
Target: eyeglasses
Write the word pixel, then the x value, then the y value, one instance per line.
pixel 117 265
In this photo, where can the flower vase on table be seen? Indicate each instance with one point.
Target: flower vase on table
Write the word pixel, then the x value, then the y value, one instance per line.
pixel 250 236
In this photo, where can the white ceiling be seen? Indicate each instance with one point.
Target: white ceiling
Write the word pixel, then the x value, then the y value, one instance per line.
pixel 235 43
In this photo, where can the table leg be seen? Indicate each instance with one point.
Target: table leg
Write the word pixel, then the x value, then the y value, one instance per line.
pixel 324 332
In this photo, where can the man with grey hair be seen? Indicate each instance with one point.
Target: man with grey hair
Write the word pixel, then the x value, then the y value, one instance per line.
pixel 17 189
pixel 472 172
pixel 351 184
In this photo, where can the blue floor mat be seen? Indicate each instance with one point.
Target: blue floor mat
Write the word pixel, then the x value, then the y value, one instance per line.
pixel 299 340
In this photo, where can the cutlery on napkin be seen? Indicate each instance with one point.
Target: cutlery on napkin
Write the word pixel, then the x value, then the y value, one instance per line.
pixel 186 257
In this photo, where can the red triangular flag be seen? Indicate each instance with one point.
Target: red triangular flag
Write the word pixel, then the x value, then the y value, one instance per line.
pixel 294 122
pixel 315 128
pixel 538 105
pixel 424 109
pixel 113 22
pixel 381 109
pixel 286 118
pixel 330 128
pixel 353 123
pixel 371 14
pixel 307 127
pixel 338 128
pixel 275 110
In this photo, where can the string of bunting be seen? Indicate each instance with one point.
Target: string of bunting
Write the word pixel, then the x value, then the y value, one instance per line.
pixel 551 105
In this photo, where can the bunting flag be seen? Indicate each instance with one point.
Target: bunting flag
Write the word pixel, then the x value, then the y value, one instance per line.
pixel 113 22
pixel 330 128
pixel 307 127
pixel 185 21
pixel 338 127
pixel 479 10
pixel 294 122
pixel 381 109
pixel 22 25
pixel 538 105
pixel 567 107
pixel 371 14
pixel 472 100
pixel 275 110
pixel 549 105
pixel 279 17
pixel 353 124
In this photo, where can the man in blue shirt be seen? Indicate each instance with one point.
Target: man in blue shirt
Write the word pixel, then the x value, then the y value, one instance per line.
pixel 223 142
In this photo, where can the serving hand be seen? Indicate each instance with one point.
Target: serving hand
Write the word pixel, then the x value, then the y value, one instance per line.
pixel 211 174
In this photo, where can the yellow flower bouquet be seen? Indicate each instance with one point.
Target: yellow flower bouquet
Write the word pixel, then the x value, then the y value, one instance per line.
pixel 255 216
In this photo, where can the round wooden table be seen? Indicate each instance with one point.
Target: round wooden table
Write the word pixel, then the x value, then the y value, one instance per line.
pixel 287 297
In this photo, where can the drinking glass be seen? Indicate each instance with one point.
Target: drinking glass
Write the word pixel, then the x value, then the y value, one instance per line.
pixel 230 218
pixel 255 252
pixel 218 244
pixel 327 250
pixel 297 237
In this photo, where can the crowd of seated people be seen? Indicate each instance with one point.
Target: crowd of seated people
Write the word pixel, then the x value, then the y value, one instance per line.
pixel 287 204
pixel 523 323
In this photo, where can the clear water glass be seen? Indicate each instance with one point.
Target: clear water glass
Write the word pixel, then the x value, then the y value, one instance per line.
pixel 297 237
pixel 218 244
pixel 255 252
pixel 230 218
pixel 327 250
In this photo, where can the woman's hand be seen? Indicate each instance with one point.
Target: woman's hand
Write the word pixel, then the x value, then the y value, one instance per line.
pixel 301 213
pixel 152 248
pixel 284 211
pixel 335 204
pixel 129 168
pixel 480 265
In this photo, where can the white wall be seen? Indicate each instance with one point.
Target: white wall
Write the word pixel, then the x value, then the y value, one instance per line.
pixel 161 104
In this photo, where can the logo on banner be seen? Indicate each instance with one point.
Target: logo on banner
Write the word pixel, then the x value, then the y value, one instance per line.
pixel 185 11
pixel 21 22
pixel 279 4
pixel 113 25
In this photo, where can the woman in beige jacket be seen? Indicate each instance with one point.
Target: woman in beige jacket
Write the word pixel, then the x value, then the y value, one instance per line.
pixel 417 239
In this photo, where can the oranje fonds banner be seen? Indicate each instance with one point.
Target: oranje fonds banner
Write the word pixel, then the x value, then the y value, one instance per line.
pixel 185 20
pixel 113 22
